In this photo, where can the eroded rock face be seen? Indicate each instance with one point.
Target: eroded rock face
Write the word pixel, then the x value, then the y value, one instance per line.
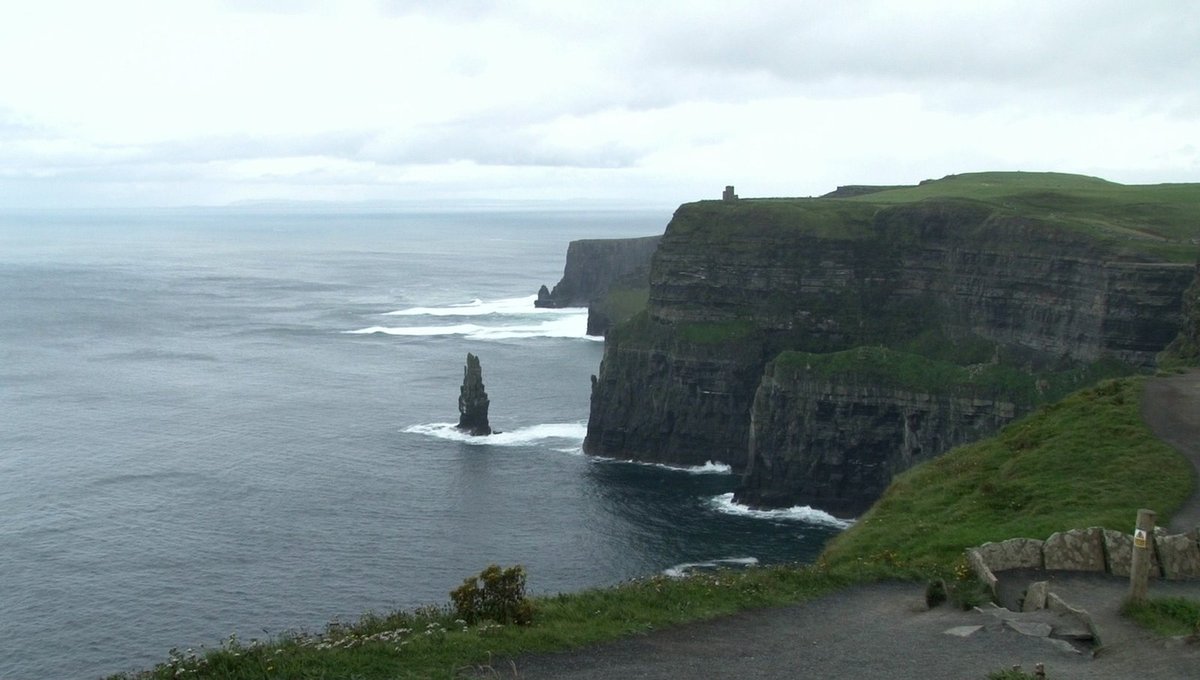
pixel 1186 347
pixel 733 284
pixel 836 444
pixel 473 400
pixel 595 265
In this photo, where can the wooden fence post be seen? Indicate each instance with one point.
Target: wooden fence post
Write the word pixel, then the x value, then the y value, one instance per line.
pixel 1139 570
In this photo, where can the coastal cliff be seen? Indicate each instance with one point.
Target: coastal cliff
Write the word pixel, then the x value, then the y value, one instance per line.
pixel 1185 349
pixel 1029 282
pixel 608 276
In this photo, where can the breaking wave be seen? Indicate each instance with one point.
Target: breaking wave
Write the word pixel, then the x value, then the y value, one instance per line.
pixel 802 513
pixel 686 568
pixel 568 326
pixel 709 468
pixel 522 436
pixel 477 307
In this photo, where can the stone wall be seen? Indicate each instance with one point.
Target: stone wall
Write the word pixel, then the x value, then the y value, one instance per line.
pixel 1175 557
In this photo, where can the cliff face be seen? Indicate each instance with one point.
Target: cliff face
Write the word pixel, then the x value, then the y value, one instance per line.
pixel 735 283
pixel 1185 349
pixel 595 265
pixel 893 273
pixel 835 444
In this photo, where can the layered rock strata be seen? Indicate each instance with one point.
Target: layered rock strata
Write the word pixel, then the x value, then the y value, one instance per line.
pixel 836 444
pixel 595 265
pixel 733 284
pixel 596 269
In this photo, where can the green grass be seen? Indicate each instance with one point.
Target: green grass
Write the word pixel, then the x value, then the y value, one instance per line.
pixel 1159 221
pixel 890 368
pixel 1068 465
pixel 717 332
pixel 1168 616
pixel 622 304
pixel 432 644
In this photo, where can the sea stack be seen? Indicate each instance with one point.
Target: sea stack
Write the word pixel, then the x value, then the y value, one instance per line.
pixel 473 400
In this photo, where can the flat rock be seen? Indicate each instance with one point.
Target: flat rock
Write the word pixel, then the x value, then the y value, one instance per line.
pixel 1062 645
pixel 962 631
pixel 1030 628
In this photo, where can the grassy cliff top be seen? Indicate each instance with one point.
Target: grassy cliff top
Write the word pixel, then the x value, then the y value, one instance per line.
pixel 1158 220
pixel 1070 465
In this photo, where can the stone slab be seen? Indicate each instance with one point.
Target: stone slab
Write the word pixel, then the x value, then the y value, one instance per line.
pixel 962 631
pixel 1118 550
pixel 1060 606
pixel 1035 596
pixel 1179 555
pixel 1075 550
pixel 1030 628
pixel 978 565
pixel 1015 553
pixel 1062 646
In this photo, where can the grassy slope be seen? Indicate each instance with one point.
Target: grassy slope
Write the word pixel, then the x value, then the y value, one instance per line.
pixel 1085 461
pixel 1158 220
pixel 904 370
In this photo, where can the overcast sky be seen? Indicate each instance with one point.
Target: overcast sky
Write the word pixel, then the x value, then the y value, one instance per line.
pixel 127 102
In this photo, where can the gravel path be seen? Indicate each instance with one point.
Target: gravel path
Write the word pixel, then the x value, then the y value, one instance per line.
pixel 883 630
pixel 874 631
pixel 1171 407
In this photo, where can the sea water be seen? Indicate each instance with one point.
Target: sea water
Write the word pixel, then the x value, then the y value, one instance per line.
pixel 240 421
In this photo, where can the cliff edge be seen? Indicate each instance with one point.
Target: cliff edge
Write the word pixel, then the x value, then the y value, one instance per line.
pixel 608 276
pixel 1043 282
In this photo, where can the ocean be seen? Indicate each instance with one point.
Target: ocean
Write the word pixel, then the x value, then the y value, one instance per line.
pixel 239 421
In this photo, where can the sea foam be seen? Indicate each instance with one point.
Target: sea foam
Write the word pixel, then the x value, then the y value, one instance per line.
pixel 477 307
pixel 522 436
pixel 803 513
pixel 680 570
pixel 572 325
pixel 709 468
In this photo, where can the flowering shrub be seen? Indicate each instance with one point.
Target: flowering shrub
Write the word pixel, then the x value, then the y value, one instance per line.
pixel 494 595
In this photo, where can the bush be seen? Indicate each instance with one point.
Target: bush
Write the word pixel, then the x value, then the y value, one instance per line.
pixel 494 595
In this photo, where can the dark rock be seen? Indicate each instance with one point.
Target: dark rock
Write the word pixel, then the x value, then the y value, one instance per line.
pixel 473 400
pixel 732 284
pixel 595 267
pixel 1185 348
pixel 836 443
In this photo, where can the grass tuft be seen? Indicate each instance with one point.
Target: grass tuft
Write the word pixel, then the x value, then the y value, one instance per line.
pixel 1168 616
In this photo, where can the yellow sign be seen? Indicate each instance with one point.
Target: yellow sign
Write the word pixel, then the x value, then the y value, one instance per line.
pixel 1139 538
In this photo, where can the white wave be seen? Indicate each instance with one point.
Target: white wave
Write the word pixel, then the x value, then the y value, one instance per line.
pixel 684 569
pixel 803 513
pixel 477 307
pixel 522 436
pixel 568 326
pixel 709 468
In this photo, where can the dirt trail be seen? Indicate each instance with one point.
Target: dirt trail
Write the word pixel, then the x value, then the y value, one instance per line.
pixel 880 630
pixel 1171 407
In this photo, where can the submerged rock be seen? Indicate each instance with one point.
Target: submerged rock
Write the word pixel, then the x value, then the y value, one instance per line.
pixel 473 400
